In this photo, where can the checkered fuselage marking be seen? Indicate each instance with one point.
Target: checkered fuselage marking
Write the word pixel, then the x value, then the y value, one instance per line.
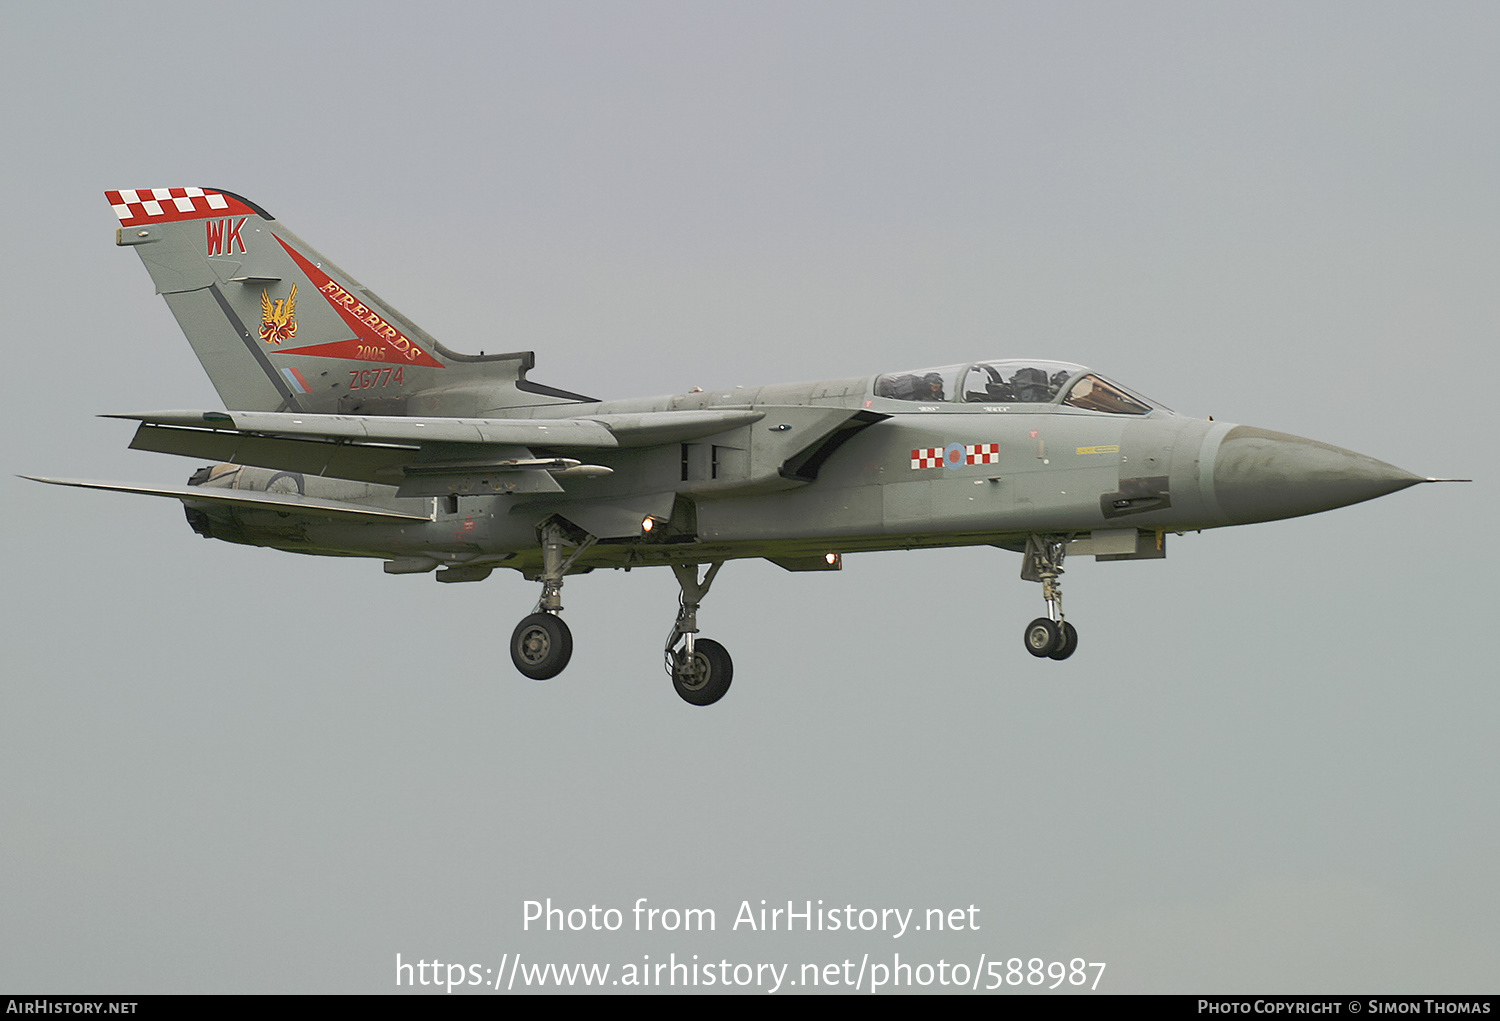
pixel 973 453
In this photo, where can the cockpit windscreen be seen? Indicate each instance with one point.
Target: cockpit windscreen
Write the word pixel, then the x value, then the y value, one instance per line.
pixel 1017 381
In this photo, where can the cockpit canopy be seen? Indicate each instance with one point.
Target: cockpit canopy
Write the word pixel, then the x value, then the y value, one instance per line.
pixel 1017 381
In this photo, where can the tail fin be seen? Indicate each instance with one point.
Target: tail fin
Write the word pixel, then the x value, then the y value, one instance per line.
pixel 280 328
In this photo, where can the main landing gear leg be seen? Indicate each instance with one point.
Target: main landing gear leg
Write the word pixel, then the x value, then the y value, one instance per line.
pixel 700 668
pixel 1049 637
pixel 541 644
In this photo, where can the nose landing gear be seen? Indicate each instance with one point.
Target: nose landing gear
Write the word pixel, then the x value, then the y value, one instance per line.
pixel 1049 637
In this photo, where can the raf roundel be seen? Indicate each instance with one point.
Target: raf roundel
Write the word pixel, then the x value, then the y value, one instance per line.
pixel 955 455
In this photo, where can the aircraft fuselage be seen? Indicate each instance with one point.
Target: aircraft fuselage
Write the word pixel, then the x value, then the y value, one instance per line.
pixel 897 482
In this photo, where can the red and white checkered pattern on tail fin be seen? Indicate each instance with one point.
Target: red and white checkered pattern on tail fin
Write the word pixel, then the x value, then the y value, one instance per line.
pixel 164 205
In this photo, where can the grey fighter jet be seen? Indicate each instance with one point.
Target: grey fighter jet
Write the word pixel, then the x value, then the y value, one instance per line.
pixel 351 432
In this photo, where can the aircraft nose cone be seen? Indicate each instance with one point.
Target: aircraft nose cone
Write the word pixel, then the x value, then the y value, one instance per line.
pixel 1261 475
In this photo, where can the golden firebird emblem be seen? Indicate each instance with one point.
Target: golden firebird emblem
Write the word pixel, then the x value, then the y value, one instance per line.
pixel 278 319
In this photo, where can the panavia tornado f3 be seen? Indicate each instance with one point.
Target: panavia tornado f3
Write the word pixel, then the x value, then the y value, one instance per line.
pixel 351 432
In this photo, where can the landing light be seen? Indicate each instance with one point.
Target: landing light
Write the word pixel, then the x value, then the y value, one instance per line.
pixel 832 558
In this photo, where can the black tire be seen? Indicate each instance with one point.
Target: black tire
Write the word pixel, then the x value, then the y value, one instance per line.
pixel 541 646
pixel 1068 643
pixel 706 679
pixel 1041 637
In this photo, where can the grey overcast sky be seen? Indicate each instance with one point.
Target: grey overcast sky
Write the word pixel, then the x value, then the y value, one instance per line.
pixel 1271 764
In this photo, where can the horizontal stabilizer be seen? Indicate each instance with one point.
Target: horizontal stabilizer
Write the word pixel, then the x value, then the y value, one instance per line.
pixel 243 498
